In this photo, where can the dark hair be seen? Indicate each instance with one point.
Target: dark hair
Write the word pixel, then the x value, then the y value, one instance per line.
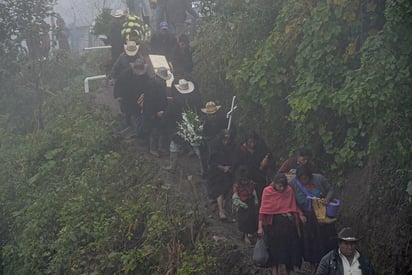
pixel 183 38
pixel 305 152
pixel 303 170
pixel 281 178
pixel 242 172
pixel 252 134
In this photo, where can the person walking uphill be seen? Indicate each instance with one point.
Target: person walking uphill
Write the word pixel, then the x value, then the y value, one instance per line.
pixel 346 259
pixel 318 236
pixel 279 218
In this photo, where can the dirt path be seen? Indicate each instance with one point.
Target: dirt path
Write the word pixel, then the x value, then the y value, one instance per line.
pixel 187 183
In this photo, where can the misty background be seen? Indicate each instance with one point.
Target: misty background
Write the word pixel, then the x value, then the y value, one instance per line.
pixel 83 12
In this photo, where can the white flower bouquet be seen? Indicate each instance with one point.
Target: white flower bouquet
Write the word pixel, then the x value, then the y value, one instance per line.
pixel 191 128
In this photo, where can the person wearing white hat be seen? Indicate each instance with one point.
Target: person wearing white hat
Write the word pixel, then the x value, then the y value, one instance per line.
pixel 130 80
pixel 346 259
pixel 115 38
pixel 185 97
pixel 214 123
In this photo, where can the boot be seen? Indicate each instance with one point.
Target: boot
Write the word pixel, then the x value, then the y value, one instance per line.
pixel 153 145
pixel 173 162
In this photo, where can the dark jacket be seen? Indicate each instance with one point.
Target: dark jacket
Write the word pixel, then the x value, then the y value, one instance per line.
pixel 128 86
pixel 331 264
pixel 116 40
pixel 163 44
pixel 180 103
pixel 154 102
pixel 212 127
pixel 176 11
pixel 253 160
pixel 182 62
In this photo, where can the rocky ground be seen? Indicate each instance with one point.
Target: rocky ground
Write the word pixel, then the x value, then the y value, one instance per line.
pixel 192 189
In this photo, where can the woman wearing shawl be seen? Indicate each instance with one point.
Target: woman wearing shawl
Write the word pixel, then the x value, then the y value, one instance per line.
pixel 318 238
pixel 279 218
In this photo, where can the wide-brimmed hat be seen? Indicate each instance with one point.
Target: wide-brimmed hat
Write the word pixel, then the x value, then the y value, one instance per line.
pixel 211 108
pixel 118 13
pixel 184 86
pixel 139 66
pixel 163 73
pixel 131 48
pixel 348 235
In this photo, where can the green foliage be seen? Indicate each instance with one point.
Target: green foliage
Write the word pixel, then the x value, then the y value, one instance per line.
pixel 103 22
pixel 18 18
pixel 225 40
pixel 73 200
pixel 201 260
pixel 334 76
pixel 344 82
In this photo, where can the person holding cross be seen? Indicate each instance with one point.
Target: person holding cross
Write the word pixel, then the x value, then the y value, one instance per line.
pixel 214 123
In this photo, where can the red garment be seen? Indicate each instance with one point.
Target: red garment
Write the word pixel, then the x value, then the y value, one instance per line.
pixel 244 191
pixel 274 202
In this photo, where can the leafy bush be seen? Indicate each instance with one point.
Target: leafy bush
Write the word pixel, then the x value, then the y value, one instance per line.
pixel 102 23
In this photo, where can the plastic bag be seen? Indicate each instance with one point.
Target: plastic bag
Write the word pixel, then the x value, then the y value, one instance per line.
pixel 260 253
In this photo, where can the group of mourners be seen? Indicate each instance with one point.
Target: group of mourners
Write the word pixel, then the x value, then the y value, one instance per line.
pixel 276 204
pixel 270 202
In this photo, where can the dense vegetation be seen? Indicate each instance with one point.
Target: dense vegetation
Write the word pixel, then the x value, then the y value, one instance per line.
pixel 332 75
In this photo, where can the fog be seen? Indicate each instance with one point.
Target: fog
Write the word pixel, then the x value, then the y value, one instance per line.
pixel 83 12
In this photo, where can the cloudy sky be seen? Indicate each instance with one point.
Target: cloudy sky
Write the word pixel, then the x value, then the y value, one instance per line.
pixel 84 11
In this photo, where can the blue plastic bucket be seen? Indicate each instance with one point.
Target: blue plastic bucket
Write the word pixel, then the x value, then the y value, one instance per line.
pixel 332 208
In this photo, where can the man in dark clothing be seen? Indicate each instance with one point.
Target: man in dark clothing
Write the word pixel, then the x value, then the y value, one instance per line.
pixel 154 107
pixel 185 97
pixel 163 42
pixel 176 14
pixel 130 75
pixel 182 58
pixel 115 38
pixel 214 123
pixel 345 259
